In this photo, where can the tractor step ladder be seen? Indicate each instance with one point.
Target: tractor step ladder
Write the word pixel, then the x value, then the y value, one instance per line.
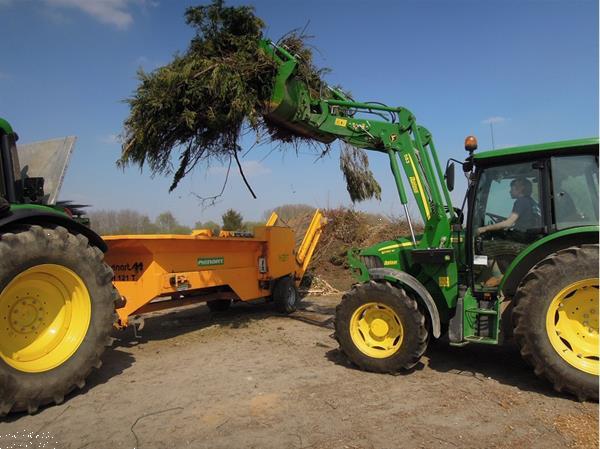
pixel 476 313
pixel 473 315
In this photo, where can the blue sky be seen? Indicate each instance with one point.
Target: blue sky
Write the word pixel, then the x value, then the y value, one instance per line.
pixel 529 67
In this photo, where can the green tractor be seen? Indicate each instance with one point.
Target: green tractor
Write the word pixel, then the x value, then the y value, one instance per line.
pixel 523 265
pixel 57 301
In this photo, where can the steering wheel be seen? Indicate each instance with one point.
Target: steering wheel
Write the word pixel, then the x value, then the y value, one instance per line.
pixel 495 218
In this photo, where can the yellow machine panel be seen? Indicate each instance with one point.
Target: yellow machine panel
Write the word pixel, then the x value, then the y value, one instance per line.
pixel 153 272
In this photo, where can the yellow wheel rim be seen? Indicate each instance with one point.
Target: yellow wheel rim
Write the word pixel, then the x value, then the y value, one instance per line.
pixel 376 330
pixel 572 325
pixel 45 313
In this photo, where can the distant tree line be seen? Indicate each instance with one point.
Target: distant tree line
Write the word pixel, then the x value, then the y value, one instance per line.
pixel 127 221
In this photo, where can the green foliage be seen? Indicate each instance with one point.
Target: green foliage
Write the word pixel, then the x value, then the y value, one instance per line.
pixel 232 220
pixel 166 223
pixel 250 225
pixel 214 227
pixel 107 222
pixel 122 222
pixel 199 102
pixel 360 182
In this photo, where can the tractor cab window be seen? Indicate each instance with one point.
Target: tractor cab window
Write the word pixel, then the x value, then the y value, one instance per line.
pixel 575 190
pixel 507 218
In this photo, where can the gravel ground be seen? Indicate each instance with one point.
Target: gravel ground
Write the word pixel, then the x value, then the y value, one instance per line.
pixel 249 378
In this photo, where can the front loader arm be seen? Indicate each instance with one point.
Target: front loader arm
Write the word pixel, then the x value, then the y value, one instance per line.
pixel 309 114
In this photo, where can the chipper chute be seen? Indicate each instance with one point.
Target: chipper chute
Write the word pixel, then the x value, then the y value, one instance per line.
pixel 49 160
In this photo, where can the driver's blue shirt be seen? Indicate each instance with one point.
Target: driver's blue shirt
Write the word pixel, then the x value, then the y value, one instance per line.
pixel 529 213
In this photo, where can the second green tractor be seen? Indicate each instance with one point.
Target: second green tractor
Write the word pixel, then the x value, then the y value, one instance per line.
pixel 518 260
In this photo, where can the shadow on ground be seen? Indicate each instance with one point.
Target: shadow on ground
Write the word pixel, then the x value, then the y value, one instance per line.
pixel 502 364
pixel 171 324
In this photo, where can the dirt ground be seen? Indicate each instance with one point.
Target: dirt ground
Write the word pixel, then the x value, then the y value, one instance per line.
pixel 249 378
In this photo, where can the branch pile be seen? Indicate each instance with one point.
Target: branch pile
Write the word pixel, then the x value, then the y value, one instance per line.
pixel 198 106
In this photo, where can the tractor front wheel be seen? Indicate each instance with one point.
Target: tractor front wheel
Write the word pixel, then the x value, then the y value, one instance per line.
pixel 57 309
pixel 556 320
pixel 380 328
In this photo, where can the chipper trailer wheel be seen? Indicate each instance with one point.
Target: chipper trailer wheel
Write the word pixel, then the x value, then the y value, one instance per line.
pixel 380 328
pixel 218 305
pixel 285 295
pixel 57 309
pixel 556 320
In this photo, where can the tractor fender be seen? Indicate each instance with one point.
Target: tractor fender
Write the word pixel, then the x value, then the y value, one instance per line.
pixel 37 217
pixel 539 250
pixel 416 286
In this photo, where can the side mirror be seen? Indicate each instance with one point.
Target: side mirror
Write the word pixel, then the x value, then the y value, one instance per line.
pixel 449 176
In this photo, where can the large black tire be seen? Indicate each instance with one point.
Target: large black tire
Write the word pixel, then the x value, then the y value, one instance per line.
pixel 502 251
pixel 539 290
pixel 410 346
pixel 32 248
pixel 218 305
pixel 285 295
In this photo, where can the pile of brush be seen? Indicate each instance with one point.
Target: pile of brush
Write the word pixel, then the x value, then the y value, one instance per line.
pixel 198 105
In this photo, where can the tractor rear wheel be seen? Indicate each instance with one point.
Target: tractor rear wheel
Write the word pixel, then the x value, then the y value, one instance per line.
pixel 57 309
pixel 380 328
pixel 556 320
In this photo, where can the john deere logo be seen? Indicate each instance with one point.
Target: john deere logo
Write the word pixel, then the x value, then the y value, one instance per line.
pixel 209 261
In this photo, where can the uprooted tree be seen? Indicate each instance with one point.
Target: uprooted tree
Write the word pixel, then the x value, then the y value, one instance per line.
pixel 197 107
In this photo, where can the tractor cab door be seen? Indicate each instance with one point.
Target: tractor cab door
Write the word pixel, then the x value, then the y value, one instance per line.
pixel 574 190
pixel 508 215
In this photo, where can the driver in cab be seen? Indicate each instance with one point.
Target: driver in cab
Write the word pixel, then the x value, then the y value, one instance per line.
pixel 525 212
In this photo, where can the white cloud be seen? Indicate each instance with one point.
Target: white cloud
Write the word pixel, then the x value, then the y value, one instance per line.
pixel 251 169
pixel 255 168
pixel 142 61
pixel 5 2
pixel 111 139
pixel 493 120
pixel 112 12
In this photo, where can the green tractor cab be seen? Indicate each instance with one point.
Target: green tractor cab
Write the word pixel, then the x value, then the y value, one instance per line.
pixel 533 280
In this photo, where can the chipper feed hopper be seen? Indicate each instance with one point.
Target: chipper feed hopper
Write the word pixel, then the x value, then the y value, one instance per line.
pixel 155 272
pixel 524 266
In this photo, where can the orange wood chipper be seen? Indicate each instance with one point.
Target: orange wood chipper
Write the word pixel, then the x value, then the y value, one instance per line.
pixel 156 272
